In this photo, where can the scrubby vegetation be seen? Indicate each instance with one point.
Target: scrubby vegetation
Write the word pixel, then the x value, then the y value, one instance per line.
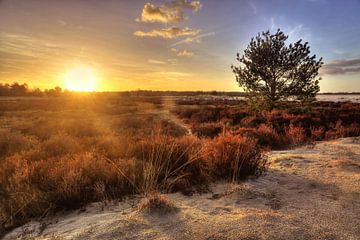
pixel 62 153
pixel 291 124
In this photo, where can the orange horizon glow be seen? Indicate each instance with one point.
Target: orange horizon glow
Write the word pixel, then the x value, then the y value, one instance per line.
pixel 80 79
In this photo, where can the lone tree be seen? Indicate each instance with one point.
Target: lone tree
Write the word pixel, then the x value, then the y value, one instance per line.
pixel 270 70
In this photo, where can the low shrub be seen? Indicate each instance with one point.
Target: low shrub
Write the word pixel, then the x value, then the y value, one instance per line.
pixel 31 188
pixel 318 134
pixel 233 157
pixel 208 129
pixel 296 135
pixel 60 144
pixel 14 142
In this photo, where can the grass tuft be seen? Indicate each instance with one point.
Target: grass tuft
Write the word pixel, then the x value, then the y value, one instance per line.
pixel 155 203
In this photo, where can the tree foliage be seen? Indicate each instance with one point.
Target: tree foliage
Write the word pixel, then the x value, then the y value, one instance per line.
pixel 271 70
pixel 17 89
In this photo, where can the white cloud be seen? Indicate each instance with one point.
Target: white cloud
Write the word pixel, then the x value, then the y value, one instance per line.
pixel 169 12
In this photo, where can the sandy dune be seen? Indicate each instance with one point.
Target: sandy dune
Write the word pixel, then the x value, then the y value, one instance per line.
pixel 308 193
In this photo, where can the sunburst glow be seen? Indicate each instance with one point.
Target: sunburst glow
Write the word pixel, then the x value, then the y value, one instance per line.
pixel 80 79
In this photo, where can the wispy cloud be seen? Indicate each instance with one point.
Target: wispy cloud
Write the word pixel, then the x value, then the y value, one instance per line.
pixel 28 46
pixel 295 32
pixel 341 67
pixel 154 61
pixel 253 7
pixel 167 75
pixel 169 33
pixel 196 39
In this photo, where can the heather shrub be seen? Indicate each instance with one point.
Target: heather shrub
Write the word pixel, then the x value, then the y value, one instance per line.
pixel 296 135
pixel 83 128
pixel 169 128
pixel 291 123
pixel 207 114
pixel 208 129
pixel 113 146
pixel 353 130
pixel 318 134
pixel 340 131
pixel 267 136
pixel 233 157
pixel 31 188
pixel 60 144
pixel 14 142
pixel 42 128
pixel 252 121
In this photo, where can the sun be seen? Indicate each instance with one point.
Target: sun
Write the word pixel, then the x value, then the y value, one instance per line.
pixel 80 79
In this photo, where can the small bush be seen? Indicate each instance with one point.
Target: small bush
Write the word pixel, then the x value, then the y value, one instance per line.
pixel 61 144
pixel 252 121
pixel 208 129
pixel 169 128
pixel 296 135
pixel 14 142
pixel 318 134
pixel 234 157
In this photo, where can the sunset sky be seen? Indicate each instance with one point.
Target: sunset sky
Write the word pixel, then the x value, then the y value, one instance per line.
pixel 168 45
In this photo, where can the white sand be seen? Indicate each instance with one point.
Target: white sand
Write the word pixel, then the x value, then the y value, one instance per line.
pixel 308 193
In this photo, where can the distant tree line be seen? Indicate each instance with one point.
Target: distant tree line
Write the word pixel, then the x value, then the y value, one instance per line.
pixel 151 93
pixel 17 89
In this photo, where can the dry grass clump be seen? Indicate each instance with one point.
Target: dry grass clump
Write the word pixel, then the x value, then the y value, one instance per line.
pixel 169 163
pixel 155 203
